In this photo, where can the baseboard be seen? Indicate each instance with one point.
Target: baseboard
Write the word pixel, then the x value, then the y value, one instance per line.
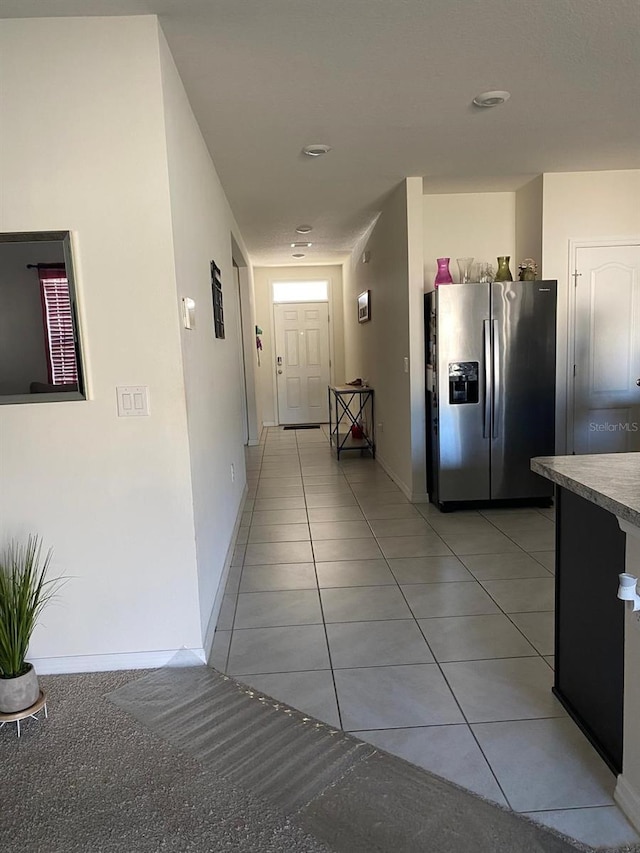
pixel 269 424
pixel 629 801
pixel 396 479
pixel 217 604
pixel 107 663
pixel 254 442
pixel 414 497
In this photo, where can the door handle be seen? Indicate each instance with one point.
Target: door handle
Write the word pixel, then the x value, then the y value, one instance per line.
pixel 279 371
pixel 495 378
pixel 488 390
pixel 638 382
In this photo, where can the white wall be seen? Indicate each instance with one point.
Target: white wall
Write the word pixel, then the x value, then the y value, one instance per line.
pixel 415 270
pixel 111 495
pixel 376 350
pixel 529 224
pixel 581 206
pixel 202 226
pixel 627 793
pixel 478 225
pixel 264 278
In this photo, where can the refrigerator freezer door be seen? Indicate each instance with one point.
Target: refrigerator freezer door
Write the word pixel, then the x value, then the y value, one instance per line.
pixel 463 450
pixel 523 315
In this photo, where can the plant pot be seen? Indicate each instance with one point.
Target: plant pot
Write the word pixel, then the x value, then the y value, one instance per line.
pixel 528 275
pixel 19 693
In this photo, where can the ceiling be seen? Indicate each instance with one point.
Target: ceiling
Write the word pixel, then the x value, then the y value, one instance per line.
pixel 389 84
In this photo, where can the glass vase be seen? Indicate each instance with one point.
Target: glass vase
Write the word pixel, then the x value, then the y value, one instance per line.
pixel 504 273
pixel 465 266
pixel 443 276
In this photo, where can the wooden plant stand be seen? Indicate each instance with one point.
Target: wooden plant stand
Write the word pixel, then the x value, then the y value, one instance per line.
pixel 39 705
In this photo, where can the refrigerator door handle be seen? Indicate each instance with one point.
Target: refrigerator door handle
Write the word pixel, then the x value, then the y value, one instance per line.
pixel 488 390
pixel 495 378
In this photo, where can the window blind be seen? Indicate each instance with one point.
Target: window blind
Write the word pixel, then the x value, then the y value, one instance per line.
pixel 61 349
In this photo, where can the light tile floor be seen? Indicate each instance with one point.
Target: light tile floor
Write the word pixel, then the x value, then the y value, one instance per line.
pixel 427 634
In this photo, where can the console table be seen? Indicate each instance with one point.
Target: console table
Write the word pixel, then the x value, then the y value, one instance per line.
pixel 352 406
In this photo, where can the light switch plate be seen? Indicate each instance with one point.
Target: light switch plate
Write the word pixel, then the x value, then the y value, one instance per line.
pixel 133 401
pixel 188 312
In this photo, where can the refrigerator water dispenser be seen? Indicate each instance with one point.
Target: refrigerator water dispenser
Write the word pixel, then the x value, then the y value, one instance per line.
pixel 463 382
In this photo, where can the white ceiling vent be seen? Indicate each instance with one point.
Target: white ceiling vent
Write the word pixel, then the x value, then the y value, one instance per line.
pixel 491 99
pixel 316 150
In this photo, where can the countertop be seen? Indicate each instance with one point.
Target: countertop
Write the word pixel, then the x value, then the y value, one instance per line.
pixel 609 480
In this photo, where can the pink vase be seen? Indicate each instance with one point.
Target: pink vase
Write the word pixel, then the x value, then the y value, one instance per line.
pixel 443 276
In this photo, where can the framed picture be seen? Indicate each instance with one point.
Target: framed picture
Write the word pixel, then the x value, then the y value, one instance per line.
pixel 364 306
pixel 218 313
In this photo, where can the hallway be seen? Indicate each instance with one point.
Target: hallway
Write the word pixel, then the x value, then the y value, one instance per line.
pixel 428 635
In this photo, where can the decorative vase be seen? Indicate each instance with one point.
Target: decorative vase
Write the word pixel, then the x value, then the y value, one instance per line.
pixel 528 275
pixel 465 265
pixel 17 694
pixel 443 276
pixel 504 273
pixel 485 273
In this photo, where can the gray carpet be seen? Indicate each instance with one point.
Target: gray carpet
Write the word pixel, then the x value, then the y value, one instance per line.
pixel 93 780
pixel 197 762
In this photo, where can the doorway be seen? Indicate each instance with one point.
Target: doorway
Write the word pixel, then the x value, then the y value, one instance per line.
pixel 302 361
pixel 241 356
pixel 606 364
pixel 247 339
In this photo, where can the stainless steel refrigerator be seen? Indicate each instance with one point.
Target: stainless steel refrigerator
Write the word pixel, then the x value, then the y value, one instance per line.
pixel 491 368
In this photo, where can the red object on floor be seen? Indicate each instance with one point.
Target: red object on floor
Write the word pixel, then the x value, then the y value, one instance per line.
pixel 357 431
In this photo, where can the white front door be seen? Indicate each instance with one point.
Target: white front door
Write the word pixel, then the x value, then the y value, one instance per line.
pixel 607 350
pixel 302 361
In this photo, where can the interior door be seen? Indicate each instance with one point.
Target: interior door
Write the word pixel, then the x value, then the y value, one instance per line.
pixel 607 350
pixel 302 361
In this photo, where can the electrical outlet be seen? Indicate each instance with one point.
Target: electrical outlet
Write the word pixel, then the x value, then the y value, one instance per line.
pixel 380 427
pixel 406 364
pixel 233 473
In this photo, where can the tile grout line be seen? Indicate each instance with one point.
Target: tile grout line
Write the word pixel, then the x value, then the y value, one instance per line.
pixel 437 663
pixel 440 669
pixel 398 585
pixel 324 623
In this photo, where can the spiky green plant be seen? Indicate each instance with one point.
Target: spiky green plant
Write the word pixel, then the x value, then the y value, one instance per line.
pixel 24 591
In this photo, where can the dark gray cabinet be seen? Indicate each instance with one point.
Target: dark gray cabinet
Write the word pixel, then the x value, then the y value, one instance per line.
pixel 589 653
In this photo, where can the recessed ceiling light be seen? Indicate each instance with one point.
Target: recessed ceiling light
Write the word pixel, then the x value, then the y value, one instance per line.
pixel 316 150
pixel 301 245
pixel 303 229
pixel 491 99
pixel 298 255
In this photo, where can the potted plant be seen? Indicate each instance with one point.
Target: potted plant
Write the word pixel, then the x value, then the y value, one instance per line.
pixel 24 591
